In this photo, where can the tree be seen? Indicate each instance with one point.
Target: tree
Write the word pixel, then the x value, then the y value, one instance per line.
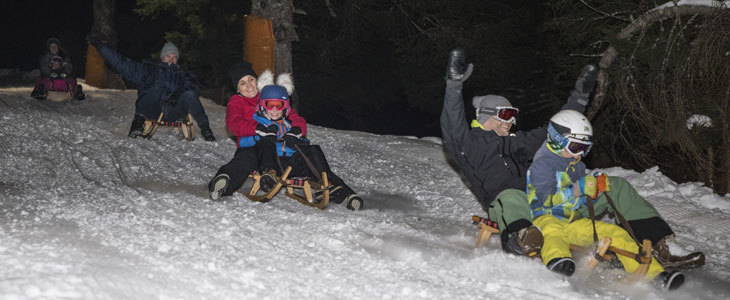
pixel 660 68
pixel 97 73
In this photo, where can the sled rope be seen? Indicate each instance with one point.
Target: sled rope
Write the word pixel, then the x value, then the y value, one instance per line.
pixel 309 163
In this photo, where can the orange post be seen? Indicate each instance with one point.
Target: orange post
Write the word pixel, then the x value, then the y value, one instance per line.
pixel 259 43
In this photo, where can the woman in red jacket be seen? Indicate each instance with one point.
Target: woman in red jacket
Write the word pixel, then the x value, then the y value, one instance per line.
pixel 239 120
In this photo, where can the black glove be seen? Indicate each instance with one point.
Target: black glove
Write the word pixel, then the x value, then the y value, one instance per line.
pixel 295 132
pixel 62 75
pixel 587 79
pixel 457 69
pixel 93 40
pixel 267 131
pixel 172 99
pixel 54 75
pixel 290 140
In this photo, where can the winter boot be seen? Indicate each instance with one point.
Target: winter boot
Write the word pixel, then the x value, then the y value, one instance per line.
pixel 218 186
pixel 527 242
pixel 353 202
pixel 207 133
pixel 268 180
pixel 562 265
pixel 669 281
pixel 78 93
pixel 137 126
pixel 669 261
pixel 39 92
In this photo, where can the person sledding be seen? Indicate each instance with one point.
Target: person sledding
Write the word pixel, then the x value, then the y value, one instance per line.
pixel 162 87
pixel 493 159
pixel 278 142
pixel 56 68
pixel 563 198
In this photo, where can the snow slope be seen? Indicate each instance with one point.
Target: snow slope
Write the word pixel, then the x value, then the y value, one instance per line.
pixel 88 213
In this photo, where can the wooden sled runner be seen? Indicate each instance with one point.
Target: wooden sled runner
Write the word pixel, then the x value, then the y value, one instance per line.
pixel 185 125
pixel 304 190
pixel 603 252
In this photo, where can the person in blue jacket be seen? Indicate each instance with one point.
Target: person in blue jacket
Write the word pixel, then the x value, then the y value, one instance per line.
pixel 162 87
pixel 278 146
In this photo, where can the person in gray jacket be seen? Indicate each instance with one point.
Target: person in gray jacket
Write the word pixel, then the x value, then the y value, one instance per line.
pixel 494 160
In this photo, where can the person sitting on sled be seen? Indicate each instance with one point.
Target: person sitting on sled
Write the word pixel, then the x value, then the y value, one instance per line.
pixel 162 87
pixel 559 191
pixel 258 134
pixel 241 108
pixel 493 159
pixel 55 74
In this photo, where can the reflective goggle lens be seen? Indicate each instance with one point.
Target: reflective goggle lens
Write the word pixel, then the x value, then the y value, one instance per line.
pixel 506 114
pixel 578 148
pixel 271 104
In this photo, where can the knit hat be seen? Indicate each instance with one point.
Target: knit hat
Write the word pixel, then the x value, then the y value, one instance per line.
pixel 169 48
pixel 53 41
pixel 239 70
pixel 486 106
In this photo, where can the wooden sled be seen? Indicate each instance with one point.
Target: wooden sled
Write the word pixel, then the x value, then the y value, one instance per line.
pixel 601 253
pixel 304 190
pixel 185 125
pixel 643 257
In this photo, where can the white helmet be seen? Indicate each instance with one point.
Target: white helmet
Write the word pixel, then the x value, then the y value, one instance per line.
pixel 570 130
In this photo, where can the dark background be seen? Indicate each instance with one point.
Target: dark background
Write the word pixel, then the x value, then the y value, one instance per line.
pixel 355 72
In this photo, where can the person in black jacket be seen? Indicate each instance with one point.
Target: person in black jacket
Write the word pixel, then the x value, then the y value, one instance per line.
pixel 494 160
pixel 163 87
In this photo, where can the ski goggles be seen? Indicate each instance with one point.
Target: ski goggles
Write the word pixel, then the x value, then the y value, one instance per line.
pixel 502 113
pixel 274 104
pixel 578 147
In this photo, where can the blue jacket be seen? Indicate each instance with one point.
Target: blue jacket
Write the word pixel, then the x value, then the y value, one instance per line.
pixel 281 148
pixel 154 81
pixel 550 181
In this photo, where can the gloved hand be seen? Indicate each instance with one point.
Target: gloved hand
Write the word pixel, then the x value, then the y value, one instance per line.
pixel 267 131
pixel 62 75
pixel 602 182
pixel 93 40
pixel 172 99
pixel 54 75
pixel 592 185
pixel 295 132
pixel 290 140
pixel 457 69
pixel 587 79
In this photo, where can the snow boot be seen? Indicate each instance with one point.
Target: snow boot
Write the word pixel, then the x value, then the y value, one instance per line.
pixel 218 186
pixel 137 126
pixel 78 93
pixel 39 92
pixel 669 281
pixel 268 180
pixel 669 261
pixel 353 202
pixel 527 242
pixel 562 265
pixel 207 133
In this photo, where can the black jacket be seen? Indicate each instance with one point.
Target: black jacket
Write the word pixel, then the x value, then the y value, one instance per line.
pixel 490 162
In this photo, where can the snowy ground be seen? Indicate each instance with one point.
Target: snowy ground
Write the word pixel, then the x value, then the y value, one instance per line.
pixel 88 213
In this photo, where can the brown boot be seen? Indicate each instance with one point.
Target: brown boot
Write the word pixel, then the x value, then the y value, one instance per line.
pixel 669 261
pixel 530 240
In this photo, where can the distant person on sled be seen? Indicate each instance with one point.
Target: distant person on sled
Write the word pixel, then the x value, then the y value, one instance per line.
pixel 495 160
pixel 162 87
pixel 56 68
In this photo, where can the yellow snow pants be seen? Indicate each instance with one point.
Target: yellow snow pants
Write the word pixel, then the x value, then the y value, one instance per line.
pixel 559 235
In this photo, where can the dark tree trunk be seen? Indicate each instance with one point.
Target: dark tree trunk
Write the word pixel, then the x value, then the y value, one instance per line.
pixel 281 13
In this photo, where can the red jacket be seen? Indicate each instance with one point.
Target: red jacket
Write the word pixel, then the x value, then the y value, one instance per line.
pixel 239 117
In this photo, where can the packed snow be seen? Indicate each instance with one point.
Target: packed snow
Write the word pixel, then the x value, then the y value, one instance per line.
pixel 88 213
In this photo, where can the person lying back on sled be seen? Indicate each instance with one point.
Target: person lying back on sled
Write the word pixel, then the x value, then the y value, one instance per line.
pixel 241 108
pixel 495 160
pixel 559 191
pixel 56 74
